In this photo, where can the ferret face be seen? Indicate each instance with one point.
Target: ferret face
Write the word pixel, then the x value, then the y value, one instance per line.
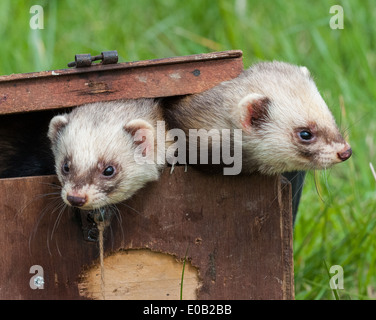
pixel 95 160
pixel 311 145
pixel 291 126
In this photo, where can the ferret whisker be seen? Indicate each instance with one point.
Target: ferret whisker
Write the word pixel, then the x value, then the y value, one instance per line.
pixel 317 186
pixel 60 208
pixel 58 219
pixel 115 211
pixel 297 192
pixel 133 209
pixel 51 204
pixel 35 198
pixel 57 248
pixel 293 196
pixel 112 210
pixel 357 121
pixel 129 207
pixel 345 130
pixel 56 195
pixel 282 189
pixel 326 173
pixel 51 184
pixel 119 219
pixel 299 188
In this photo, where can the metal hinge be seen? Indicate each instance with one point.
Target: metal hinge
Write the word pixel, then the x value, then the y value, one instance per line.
pixel 85 60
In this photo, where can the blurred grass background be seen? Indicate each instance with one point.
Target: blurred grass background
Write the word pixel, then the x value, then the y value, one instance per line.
pixel 337 217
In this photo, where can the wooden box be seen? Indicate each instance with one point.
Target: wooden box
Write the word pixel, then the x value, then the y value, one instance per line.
pixel 232 235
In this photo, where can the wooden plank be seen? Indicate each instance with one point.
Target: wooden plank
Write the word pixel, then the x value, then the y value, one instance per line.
pixel 28 239
pixel 287 243
pixel 139 275
pixel 130 80
pixel 236 228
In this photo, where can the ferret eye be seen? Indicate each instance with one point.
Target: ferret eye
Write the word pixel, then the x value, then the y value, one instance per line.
pixel 305 135
pixel 65 167
pixel 109 171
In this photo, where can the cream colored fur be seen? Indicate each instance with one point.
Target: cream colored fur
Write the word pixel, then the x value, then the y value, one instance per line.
pixel 97 135
pixel 273 146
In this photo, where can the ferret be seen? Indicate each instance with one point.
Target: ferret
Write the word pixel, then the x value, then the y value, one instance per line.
pixel 96 147
pixel 286 125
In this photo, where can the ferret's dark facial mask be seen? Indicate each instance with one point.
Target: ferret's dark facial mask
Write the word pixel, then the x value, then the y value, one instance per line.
pixel 90 188
pixel 95 156
pixel 285 123
pixel 291 128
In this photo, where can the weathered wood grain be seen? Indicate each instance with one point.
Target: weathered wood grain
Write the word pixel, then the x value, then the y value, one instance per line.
pixel 130 80
pixel 139 275
pixel 237 230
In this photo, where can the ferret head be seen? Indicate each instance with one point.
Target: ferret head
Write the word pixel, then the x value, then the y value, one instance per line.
pixel 95 156
pixel 288 125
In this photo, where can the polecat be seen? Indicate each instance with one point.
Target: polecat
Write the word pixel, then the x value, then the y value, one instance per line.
pixel 95 146
pixel 286 125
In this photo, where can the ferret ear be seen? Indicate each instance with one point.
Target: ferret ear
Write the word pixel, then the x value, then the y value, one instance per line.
pixel 143 137
pixel 133 126
pixel 139 128
pixel 253 110
pixel 305 71
pixel 56 125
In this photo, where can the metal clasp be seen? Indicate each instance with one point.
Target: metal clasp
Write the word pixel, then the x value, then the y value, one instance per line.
pixel 89 220
pixel 85 60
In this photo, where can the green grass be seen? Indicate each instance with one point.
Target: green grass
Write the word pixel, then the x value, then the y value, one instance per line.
pixel 336 224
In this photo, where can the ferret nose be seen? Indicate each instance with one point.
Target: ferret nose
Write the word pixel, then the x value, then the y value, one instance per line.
pixel 76 201
pixel 344 155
